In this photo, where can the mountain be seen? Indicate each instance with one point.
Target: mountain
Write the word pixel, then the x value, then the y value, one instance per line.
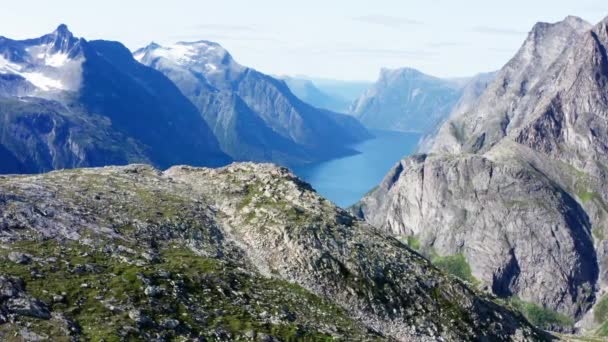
pixel 246 252
pixel 472 89
pixel 509 99
pixel 308 92
pixel 346 90
pixel 516 184
pixel 67 102
pixel 255 117
pixel 406 100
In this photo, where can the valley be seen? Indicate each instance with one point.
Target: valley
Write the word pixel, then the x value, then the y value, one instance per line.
pixel 346 180
pixel 177 191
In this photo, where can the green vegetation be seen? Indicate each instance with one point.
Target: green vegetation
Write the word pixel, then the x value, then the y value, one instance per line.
pixel 413 242
pixel 598 233
pixel 204 295
pixel 602 330
pixel 586 196
pixel 455 265
pixel 541 317
pixel 600 312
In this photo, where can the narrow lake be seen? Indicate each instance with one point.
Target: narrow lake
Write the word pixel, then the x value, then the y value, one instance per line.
pixel 345 180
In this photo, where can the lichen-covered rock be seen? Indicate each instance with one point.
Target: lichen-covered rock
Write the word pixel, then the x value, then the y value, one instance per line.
pixel 246 250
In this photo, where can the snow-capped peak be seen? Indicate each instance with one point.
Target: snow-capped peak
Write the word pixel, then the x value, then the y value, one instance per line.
pixel 50 63
pixel 201 56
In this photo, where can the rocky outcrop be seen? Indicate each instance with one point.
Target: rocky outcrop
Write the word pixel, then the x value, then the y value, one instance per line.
pixel 243 252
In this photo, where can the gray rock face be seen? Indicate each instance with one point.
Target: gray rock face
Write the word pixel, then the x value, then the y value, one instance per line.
pixel 517 182
pixel 254 116
pixel 406 100
pixel 471 91
pixel 521 234
pixel 252 225
pixel 19 258
pixel 507 101
pixel 14 301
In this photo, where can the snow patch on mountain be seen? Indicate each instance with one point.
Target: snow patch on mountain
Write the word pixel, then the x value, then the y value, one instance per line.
pixel 50 63
pixel 205 57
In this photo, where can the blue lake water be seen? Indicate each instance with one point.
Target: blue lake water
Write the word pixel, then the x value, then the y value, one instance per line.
pixel 345 180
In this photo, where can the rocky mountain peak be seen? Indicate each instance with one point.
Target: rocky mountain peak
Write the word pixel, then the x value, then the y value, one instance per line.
pixel 387 74
pixel 546 41
pixel 575 21
pixel 601 30
pixel 62 41
pixel 63 31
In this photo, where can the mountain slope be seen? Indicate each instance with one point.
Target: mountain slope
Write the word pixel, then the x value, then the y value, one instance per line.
pixel 289 130
pixel 243 252
pixel 69 102
pixel 406 100
pixel 472 89
pixel 518 181
pixel 308 92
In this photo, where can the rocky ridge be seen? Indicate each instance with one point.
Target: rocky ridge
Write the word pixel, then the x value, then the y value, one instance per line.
pixel 221 254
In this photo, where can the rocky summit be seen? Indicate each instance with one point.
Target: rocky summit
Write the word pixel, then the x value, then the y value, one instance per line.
pixel 245 252
pixel 515 182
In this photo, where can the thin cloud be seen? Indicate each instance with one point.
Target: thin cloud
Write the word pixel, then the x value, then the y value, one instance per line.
pixel 446 44
pixel 225 28
pixel 219 36
pixel 498 31
pixel 384 53
pixel 387 20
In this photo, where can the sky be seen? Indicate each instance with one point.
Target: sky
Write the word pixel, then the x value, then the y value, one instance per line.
pixel 335 39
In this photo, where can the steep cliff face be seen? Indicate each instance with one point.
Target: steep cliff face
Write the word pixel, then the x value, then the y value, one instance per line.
pixel 244 252
pixel 517 183
pixel 521 234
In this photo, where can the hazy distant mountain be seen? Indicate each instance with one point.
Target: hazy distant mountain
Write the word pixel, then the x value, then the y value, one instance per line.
pixel 406 100
pixel 334 95
pixel 68 102
pixel 309 93
pixel 347 90
pixel 255 117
